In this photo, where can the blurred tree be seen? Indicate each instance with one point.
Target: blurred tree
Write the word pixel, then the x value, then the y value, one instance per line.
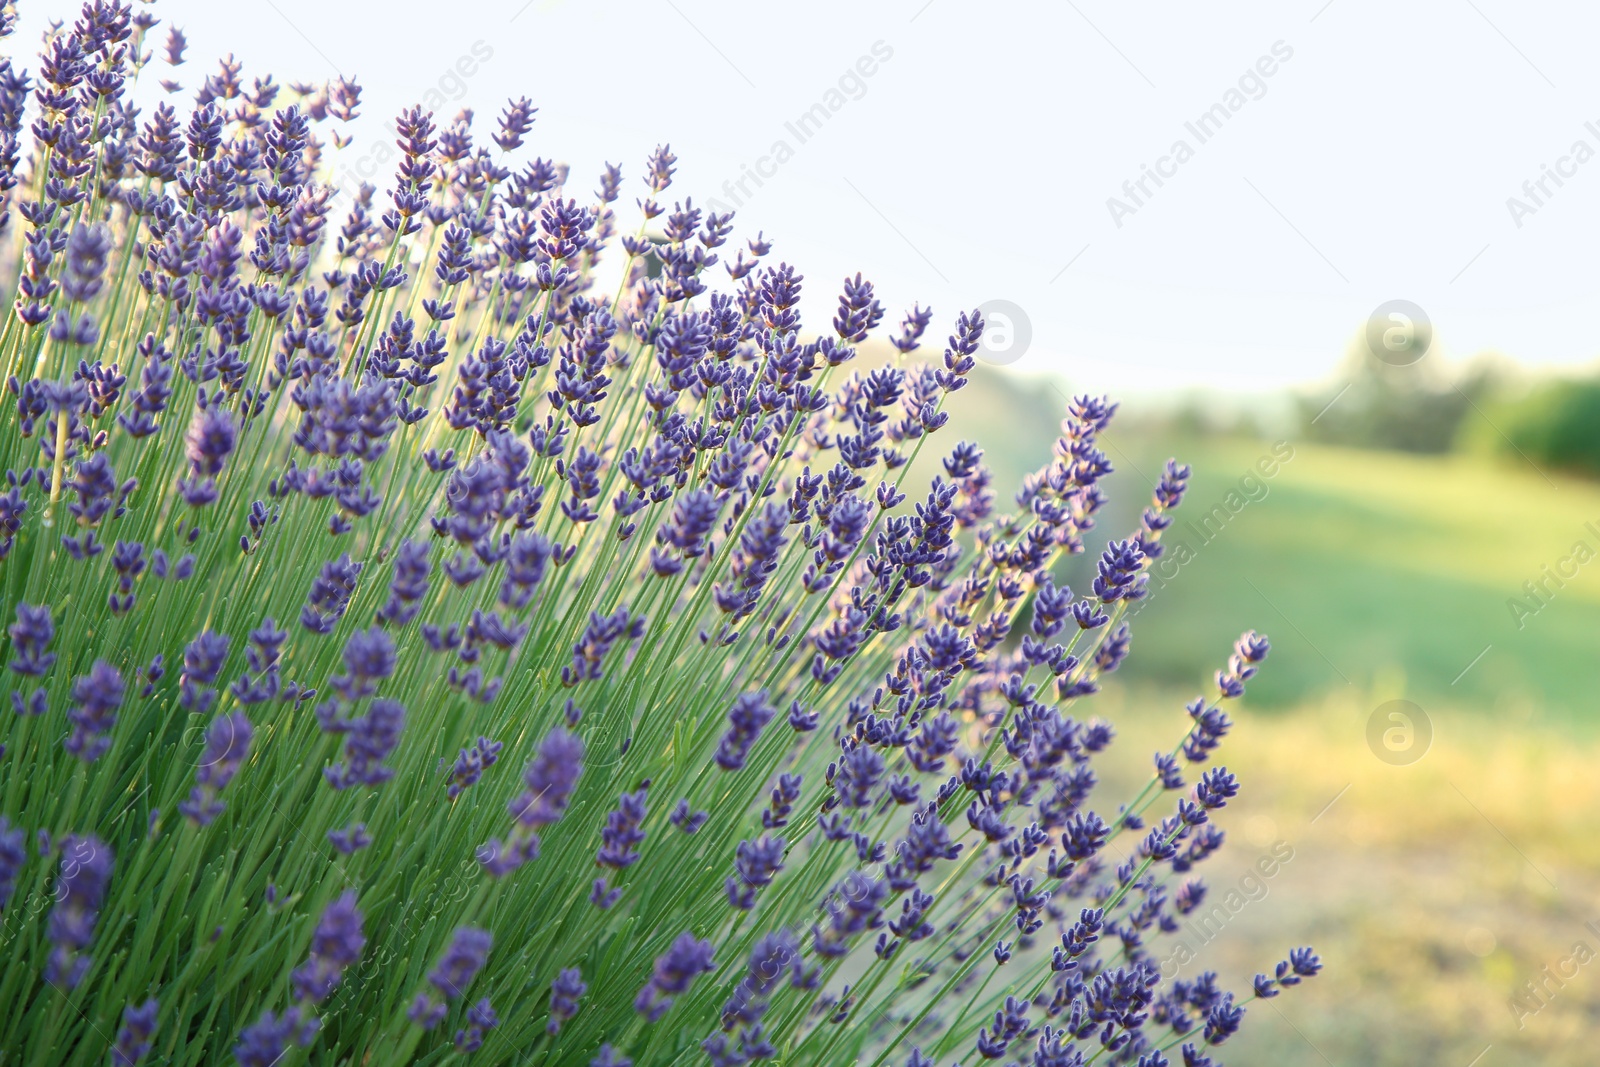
pixel 1416 408
pixel 1556 424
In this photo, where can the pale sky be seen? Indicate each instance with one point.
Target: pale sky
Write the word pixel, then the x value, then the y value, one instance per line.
pixel 976 161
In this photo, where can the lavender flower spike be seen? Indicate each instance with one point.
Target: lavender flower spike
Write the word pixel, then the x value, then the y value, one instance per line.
pixel 138 1029
pixel 675 970
pixel 453 974
pixel 549 779
pixel 86 864
pixel 335 947
pixel 96 697
pixel 13 854
pixel 227 746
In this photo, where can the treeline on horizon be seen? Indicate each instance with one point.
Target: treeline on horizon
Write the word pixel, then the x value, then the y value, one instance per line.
pixel 1489 406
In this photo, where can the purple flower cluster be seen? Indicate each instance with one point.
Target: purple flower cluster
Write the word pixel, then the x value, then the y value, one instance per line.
pixel 136 1033
pixel 84 877
pixel 481 1018
pixel 264 1042
pixel 674 971
pixel 95 699
pixel 335 946
pixel 549 780
pixel 458 966
pixel 227 746
pixel 13 854
pixel 662 497
pixel 565 991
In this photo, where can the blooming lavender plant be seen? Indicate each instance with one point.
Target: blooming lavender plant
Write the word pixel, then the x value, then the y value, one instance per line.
pixel 640 709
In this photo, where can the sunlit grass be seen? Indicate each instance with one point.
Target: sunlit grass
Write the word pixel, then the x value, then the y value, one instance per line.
pixel 1434 889
pixel 1382 570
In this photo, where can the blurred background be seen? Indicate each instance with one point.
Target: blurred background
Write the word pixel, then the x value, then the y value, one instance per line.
pixel 1335 254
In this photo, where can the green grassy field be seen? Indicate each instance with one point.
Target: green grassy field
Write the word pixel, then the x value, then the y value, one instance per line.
pixel 1379 572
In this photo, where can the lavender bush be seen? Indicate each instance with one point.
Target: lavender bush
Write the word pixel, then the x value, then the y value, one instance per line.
pixel 422 647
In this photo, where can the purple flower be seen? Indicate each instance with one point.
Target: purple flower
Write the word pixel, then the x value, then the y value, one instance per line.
pixel 462 960
pixel 86 864
pixel 210 441
pixel 263 1044
pixel 483 1014
pixel 266 645
pixel 516 120
pixel 591 649
pixel 856 779
pixel 369 657
pixel 426 1012
pixel 1121 573
pixel 227 746
pixel 335 946
pixel 87 249
pixel 133 1039
pixel 854 906
pixel 1113 649
pixel 1210 726
pixel 912 328
pixel 564 993
pixel 369 740
pixel 13 854
pixel 202 663
pixel 927 841
pixel 526 560
pixel 96 697
pixel 693 515
pixel 622 834
pixel 783 797
pixel 757 863
pixel 409 585
pixel 330 595
pixel 351 839
pixel 686 819
pixel 675 970
pixel 750 712
pixel 1084 836
pixel 1215 788
pixel 481 1017
pixel 471 764
pixel 1223 1020
pixel 550 779
pixel 934 743
pixel 31 635
pixel 1302 963
pixel 1248 653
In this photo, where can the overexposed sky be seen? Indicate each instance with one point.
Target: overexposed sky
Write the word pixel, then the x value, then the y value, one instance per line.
pixel 976 161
